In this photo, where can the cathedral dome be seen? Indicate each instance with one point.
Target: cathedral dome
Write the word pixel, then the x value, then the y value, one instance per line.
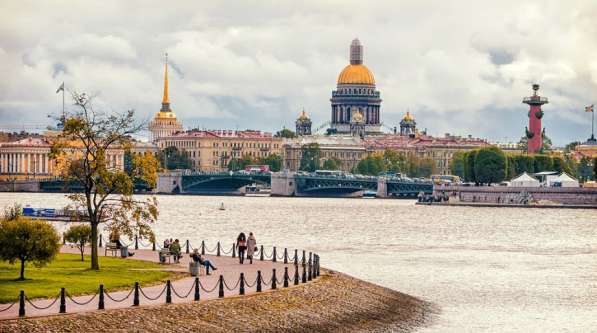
pixel 356 74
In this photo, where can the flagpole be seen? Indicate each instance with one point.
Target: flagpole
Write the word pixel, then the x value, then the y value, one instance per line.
pixel 63 116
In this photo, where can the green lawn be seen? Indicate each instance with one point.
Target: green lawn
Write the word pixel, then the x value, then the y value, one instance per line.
pixel 68 271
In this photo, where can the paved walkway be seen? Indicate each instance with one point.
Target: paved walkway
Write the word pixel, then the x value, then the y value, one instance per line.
pixel 227 266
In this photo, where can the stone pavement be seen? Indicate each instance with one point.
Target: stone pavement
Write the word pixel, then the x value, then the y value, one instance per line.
pixel 228 267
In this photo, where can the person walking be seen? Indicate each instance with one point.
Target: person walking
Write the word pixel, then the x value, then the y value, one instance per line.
pixel 251 247
pixel 241 245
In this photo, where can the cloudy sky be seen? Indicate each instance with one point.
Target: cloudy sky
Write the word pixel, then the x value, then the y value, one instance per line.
pixel 461 67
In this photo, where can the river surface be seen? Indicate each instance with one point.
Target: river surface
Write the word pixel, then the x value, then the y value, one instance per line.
pixel 487 269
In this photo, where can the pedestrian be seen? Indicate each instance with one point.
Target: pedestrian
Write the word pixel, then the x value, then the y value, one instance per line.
pixel 175 250
pixel 251 247
pixel 241 245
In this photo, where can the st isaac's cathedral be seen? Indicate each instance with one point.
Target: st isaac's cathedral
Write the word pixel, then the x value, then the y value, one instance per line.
pixel 355 102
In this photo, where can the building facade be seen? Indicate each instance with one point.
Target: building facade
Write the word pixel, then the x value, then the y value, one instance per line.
pixel 303 124
pixel 210 151
pixel 349 150
pixel 355 97
pixel 164 123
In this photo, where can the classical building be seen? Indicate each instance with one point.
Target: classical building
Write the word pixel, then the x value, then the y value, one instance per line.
pixel 439 149
pixel 164 123
pixel 355 97
pixel 29 159
pixel 303 124
pixel 349 150
pixel 408 125
pixel 212 150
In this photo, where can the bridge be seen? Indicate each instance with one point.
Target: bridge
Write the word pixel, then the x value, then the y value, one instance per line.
pixel 342 185
pixel 219 182
pixel 396 187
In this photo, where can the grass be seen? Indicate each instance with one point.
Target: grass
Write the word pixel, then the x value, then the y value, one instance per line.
pixel 68 271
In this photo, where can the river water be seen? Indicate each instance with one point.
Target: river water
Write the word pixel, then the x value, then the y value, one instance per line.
pixel 487 269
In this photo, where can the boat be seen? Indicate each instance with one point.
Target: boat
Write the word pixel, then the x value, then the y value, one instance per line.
pixel 256 191
pixel 222 207
pixel 369 194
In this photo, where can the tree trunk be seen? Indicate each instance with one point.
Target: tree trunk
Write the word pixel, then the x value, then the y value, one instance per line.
pixel 82 248
pixel 22 270
pixel 94 259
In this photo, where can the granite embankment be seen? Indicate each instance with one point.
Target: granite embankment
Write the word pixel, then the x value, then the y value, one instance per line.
pixel 333 303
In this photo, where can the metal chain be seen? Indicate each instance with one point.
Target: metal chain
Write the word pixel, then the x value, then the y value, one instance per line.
pixel 225 252
pixel 121 300
pixel 233 288
pixel 248 285
pixel 155 298
pixel 214 250
pixel 263 281
pixel 185 296
pixel 208 291
pixel 83 303
pixel 8 308
pixel 41 307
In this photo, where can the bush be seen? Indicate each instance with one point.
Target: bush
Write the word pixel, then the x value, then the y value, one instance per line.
pixel 24 239
pixel 80 235
pixel 490 165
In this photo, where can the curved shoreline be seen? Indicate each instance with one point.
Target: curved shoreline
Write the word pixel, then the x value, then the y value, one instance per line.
pixel 335 302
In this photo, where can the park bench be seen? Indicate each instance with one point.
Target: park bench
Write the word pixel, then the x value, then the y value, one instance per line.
pixel 112 248
pixel 163 255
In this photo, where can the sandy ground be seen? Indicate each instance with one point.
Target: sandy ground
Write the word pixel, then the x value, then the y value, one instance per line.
pixel 333 303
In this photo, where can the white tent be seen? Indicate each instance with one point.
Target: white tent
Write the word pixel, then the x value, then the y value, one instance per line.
pixel 524 180
pixel 564 180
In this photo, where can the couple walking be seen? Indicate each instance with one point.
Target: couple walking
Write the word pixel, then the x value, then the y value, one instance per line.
pixel 248 245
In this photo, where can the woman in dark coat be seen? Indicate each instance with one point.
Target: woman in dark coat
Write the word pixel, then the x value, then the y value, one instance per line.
pixel 241 245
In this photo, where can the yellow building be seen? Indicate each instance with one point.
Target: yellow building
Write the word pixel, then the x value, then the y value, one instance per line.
pixel 164 123
pixel 349 150
pixel 212 150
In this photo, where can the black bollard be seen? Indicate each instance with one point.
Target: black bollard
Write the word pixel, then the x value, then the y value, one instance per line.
pixel 304 279
pixel 62 301
pixel 274 259
pixel 136 295
pixel 296 275
pixel 285 255
pixel 274 280
pixel 286 277
pixel 100 240
pixel 187 249
pixel 303 260
pixel 136 242
pixel 202 247
pixel 168 292
pixel 221 291
pixel 309 271
pixel 153 246
pixel 197 289
pixel 258 281
pixel 242 284
pixel 295 256
pixel 22 303
pixel 218 250
pixel 233 251
pixel 261 253
pixel 100 304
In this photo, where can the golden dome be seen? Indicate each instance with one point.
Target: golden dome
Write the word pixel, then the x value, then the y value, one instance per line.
pixel 408 117
pixel 303 115
pixel 165 115
pixel 356 74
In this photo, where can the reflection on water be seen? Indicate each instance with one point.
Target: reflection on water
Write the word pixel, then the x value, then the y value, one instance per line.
pixel 489 269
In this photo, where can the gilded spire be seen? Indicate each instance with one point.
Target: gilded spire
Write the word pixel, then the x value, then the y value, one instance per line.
pixel 166 100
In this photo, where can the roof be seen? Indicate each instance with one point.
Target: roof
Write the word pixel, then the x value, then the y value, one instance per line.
pixel 27 142
pixel 565 177
pixel 356 74
pixel 396 141
pixel 524 177
pixel 545 173
pixel 247 134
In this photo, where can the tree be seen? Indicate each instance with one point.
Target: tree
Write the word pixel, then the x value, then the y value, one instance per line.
pixel 584 169
pixel 285 133
pixel 274 161
pixel 571 146
pixel 236 164
pixel 595 168
pixel 469 166
pixel 332 163
pixel 558 164
pixel 490 165
pixel 107 195
pixel 371 165
pixel 79 235
pixel 457 164
pixel 543 163
pixel 27 240
pixel 523 163
pixel 311 155
pixel 171 158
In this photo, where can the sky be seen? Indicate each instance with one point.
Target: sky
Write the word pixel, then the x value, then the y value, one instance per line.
pixel 460 67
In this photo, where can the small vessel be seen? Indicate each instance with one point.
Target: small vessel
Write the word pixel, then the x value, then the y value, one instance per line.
pixel 256 191
pixel 222 207
pixel 369 194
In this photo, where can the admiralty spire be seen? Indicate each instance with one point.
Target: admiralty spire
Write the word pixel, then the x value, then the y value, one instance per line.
pixel 164 123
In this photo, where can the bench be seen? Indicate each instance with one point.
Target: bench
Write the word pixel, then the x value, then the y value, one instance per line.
pixel 112 248
pixel 163 254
